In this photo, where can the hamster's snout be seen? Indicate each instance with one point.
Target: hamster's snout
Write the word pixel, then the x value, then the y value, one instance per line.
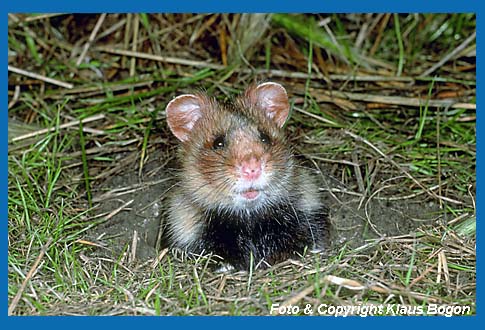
pixel 251 169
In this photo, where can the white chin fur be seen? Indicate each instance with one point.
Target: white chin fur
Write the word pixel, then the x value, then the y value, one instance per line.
pixel 241 202
pixel 260 184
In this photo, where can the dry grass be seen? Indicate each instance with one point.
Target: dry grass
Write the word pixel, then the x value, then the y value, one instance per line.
pixel 386 113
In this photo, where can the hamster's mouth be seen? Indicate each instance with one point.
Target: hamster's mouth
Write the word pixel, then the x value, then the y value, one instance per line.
pixel 250 194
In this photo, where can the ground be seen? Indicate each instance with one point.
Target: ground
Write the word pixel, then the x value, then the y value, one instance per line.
pixel 383 112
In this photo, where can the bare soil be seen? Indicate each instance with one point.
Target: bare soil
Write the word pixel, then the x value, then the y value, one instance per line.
pixel 142 199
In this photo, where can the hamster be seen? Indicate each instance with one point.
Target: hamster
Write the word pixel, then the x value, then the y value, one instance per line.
pixel 240 191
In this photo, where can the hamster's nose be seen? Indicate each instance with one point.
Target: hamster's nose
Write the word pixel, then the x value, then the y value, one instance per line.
pixel 251 168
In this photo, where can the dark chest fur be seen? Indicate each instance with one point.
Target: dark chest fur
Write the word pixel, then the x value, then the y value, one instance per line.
pixel 273 234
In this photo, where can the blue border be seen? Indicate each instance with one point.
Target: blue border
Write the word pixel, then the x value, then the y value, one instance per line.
pixel 4 154
pixel 329 6
pixel 262 322
pixel 479 158
pixel 189 6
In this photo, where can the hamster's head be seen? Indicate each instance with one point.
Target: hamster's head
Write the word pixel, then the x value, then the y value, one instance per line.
pixel 234 155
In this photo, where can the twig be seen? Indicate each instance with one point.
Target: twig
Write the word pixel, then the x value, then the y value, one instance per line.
pixel 118 210
pixel 40 17
pixel 117 192
pixel 438 152
pixel 443 269
pixel 366 209
pixel 377 287
pixel 362 34
pixel 91 39
pixel 47 130
pixel 158 58
pixel 358 174
pixel 159 258
pixel 134 244
pixel 112 29
pixel 380 31
pixel 413 195
pixel 15 97
pixel 445 59
pixel 94 90
pixel 396 100
pixel 338 77
pixel 315 116
pixel 334 161
pixel 334 40
pixel 422 275
pixel 31 272
pixel 136 24
pixel 126 38
pixel 40 77
pixel 299 296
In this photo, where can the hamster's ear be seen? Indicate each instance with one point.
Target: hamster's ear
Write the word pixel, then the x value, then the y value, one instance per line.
pixel 182 114
pixel 272 98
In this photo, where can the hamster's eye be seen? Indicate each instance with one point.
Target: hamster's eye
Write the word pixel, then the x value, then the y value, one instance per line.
pixel 219 142
pixel 263 137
